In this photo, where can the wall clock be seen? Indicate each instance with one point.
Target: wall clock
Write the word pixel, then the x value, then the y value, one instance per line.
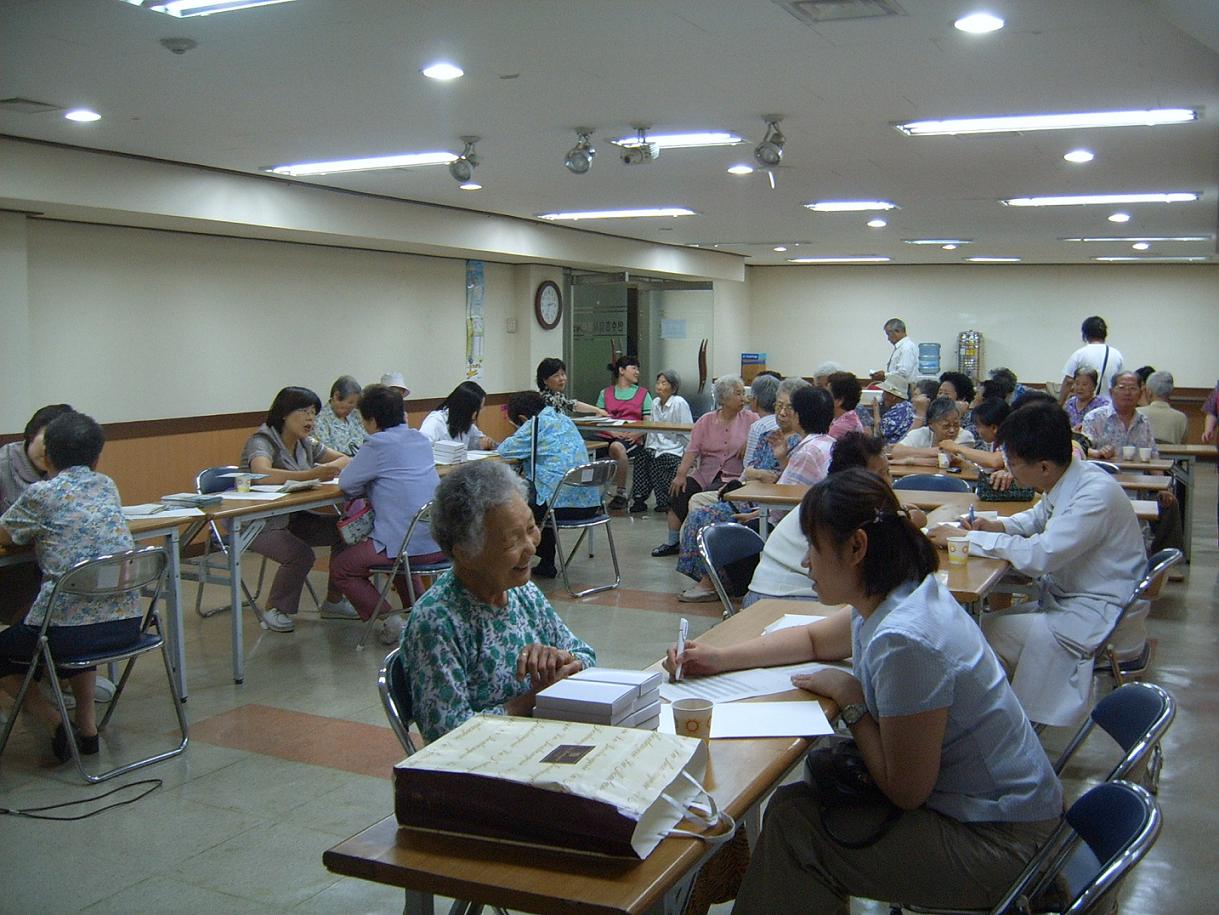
pixel 548 305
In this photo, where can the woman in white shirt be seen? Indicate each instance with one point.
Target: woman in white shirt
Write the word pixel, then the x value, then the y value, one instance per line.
pixel 921 446
pixel 662 451
pixel 453 420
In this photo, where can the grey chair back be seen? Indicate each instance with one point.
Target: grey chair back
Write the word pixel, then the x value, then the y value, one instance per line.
pixel 724 543
pixel 395 691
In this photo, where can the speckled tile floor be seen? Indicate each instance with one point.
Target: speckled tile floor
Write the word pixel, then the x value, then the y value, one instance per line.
pixel 241 820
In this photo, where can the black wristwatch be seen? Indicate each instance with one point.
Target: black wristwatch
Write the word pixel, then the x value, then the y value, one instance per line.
pixel 852 713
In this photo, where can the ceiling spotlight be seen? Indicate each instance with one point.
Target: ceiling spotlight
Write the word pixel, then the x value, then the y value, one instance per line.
pixel 740 169
pixel 877 223
pixel 1120 217
pixel 779 248
pixel 470 186
pixel 82 115
pixel 462 168
pixel 1140 246
pixel 580 157
pixel 979 23
pixel 443 71
pixel 1079 156
pixel 769 153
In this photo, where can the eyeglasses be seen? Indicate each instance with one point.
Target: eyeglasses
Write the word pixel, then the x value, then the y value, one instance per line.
pixel 1125 387
pixel 782 407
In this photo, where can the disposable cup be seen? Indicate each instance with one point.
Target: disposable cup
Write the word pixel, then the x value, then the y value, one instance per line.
pixel 1129 452
pixel 243 481
pixel 958 550
pixel 944 460
pixel 1144 455
pixel 692 718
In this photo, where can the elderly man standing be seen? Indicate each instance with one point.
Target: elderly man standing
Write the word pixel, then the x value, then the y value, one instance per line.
pixel 1169 425
pixel 904 358
pixel 1082 544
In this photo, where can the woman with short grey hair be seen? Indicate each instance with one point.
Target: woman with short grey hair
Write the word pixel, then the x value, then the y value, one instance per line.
pixel 922 445
pixel 484 639
pixel 662 451
pixel 339 424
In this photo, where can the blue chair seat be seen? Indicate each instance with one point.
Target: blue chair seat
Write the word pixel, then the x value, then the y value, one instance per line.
pixel 582 522
pixel 148 641
pixel 931 482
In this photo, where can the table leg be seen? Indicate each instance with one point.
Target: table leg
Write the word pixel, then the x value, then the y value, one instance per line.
pixel 173 615
pixel 235 600
pixel 764 521
pixel 418 903
pixel 1183 472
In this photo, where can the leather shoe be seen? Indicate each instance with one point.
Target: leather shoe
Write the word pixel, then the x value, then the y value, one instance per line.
pixel 666 549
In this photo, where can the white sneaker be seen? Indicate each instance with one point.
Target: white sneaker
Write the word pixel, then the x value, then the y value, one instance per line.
pixel 389 630
pixel 277 620
pixel 102 692
pixel 340 609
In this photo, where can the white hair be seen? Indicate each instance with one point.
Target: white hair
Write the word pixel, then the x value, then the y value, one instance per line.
pixel 463 499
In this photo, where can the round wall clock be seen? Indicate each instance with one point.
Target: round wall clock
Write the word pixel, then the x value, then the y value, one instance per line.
pixel 548 305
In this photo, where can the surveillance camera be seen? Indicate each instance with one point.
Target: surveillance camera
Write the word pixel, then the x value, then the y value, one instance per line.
pixel 637 155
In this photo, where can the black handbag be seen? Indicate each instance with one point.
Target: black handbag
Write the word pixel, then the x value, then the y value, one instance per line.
pixel 854 812
pixel 987 493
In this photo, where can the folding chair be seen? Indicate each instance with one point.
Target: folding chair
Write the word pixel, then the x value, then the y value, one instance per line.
pixel 115 575
pixel 1136 716
pixel 402 566
pixel 930 482
pixel 587 476
pixel 1107 466
pixel 724 543
pixel 1106 656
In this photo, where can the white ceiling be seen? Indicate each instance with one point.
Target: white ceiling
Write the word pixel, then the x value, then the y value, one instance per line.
pixel 331 79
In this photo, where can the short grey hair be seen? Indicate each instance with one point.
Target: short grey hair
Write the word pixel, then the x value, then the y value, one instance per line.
pixel 344 387
pixel 827 368
pixel 463 499
pixel 897 325
pixel 941 407
pixel 790 386
pixel 724 386
pixel 763 391
pixel 928 386
pixel 672 377
pixel 1160 384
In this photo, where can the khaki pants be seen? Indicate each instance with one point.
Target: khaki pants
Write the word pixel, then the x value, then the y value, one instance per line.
pixel 925 859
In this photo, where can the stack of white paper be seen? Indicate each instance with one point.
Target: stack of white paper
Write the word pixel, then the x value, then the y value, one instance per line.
pixel 627 698
pixel 448 452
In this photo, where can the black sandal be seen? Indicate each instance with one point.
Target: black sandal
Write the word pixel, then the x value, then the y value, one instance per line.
pixel 59 744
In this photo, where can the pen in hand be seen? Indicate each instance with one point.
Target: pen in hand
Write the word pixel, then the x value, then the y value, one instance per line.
pixel 971 517
pixel 683 630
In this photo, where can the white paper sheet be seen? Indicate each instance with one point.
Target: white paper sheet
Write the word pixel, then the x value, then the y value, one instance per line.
pixel 253 496
pixel 145 511
pixel 761 719
pixel 739 684
pixel 479 455
pixel 791 621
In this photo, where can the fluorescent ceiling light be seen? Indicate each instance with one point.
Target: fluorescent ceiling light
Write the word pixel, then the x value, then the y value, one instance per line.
pixel 680 140
pixel 1099 200
pixel 617 214
pixel 876 223
pixel 741 169
pixel 1142 238
pixel 403 160
pixel 846 259
pixel 993 260
pixel 82 115
pixel 1190 259
pixel 443 71
pixel 849 206
pixel 184 9
pixel 1120 217
pixel 938 241
pixel 979 23
pixel 1080 156
pixel 1026 122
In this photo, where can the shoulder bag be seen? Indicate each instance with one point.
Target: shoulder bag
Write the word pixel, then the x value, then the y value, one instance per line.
pixel 854 812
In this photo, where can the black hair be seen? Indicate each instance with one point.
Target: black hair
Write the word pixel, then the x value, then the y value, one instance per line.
pixel 615 368
pixel 383 405
pixel 1094 328
pixel 42 418
pixel 548 367
pixel 1033 396
pixel 1037 431
pixel 857 499
pixel 814 407
pixel 344 386
pixel 463 404
pixel 855 449
pixel 770 372
pixel 74 440
pixel 994 389
pixel 524 405
pixel 961 383
pixel 941 407
pixel 289 400
pixel 844 386
pixel 992 411
pixel 1144 373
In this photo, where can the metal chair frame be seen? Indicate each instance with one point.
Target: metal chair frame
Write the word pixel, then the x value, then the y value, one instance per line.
pixel 722 543
pixel 402 566
pixel 1136 716
pixel 127 572
pixel 1105 655
pixel 594 475
pixel 931 482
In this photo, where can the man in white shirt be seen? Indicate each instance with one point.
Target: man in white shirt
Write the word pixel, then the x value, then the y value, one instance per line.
pixel 1095 354
pixel 904 358
pixel 1083 546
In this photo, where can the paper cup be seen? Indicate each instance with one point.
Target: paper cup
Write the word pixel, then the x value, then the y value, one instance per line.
pixel 243 481
pixel 958 550
pixel 1144 455
pixel 1129 452
pixel 692 718
pixel 944 460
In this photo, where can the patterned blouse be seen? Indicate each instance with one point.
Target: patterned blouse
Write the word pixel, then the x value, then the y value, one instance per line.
pixel 73 516
pixel 559 401
pixel 896 422
pixel 560 448
pixel 343 435
pixel 1077 415
pixel 461 654
pixel 1104 427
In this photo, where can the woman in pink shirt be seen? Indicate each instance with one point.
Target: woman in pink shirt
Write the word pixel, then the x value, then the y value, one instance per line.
pixel 714 456
pixel 844 388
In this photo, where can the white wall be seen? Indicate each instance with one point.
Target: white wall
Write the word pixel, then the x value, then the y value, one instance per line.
pixel 1163 315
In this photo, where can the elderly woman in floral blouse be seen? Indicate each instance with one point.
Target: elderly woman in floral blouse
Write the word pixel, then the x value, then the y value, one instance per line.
pixel 484 639
pixel 339 424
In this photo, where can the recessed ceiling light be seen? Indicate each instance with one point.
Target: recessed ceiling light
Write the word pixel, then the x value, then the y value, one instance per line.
pixel 680 140
pixel 1080 156
pixel 741 169
pixel 470 186
pixel 937 241
pixel 1120 217
pixel 184 9
pixel 1142 238
pixel 845 259
pixel 82 115
pixel 1190 259
pixel 779 248
pixel 1099 199
pixel 443 71
pixel 617 214
pixel 849 206
pixel 949 247
pixel 979 23
pixel 403 160
pixel 1140 246
pixel 993 260
pixel 1026 122
pixel 876 223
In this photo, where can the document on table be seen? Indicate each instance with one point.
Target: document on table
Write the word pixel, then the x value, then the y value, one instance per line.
pixel 255 495
pixel 740 684
pixel 791 621
pixel 157 510
pixel 474 455
pixel 762 719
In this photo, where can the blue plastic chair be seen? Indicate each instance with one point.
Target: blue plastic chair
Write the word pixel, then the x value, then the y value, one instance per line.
pixel 1136 716
pixel 931 482
pixel 724 543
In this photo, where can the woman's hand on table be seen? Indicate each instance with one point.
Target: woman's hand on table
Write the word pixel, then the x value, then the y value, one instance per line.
pixel 697 660
pixel 1001 480
pixel 948 446
pixel 486 443
pixel 545 664
pixel 836 685
pixel 327 472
